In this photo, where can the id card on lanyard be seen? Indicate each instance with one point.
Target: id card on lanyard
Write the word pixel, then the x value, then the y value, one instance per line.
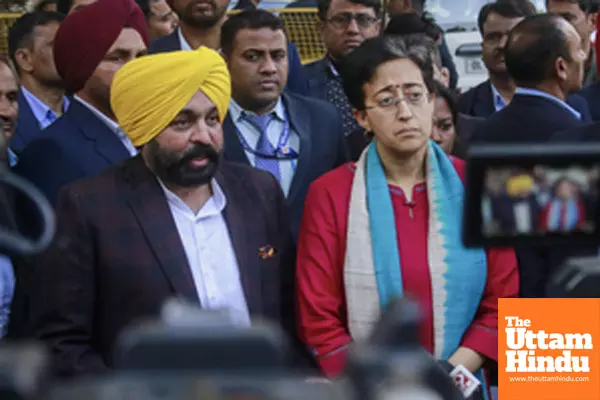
pixel 282 152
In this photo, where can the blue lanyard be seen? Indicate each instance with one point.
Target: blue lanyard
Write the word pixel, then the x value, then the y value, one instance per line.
pixel 281 149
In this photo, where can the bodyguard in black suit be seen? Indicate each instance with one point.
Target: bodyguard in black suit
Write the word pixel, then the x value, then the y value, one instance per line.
pixel 544 56
pixel 322 146
pixel 305 137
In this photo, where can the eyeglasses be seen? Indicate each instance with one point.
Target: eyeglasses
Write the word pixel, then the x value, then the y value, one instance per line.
pixel 414 97
pixel 343 20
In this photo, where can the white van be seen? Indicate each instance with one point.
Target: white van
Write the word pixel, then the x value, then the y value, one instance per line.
pixel 458 18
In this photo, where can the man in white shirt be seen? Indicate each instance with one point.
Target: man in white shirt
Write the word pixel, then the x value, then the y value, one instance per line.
pixel 90 47
pixel 175 221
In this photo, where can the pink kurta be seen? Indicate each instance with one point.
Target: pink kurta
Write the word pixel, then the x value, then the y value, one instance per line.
pixel 321 252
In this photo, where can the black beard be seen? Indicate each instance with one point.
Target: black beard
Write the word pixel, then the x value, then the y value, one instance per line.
pixel 177 170
pixel 205 22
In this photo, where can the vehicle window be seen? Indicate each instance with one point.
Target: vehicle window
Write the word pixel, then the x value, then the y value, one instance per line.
pixel 456 13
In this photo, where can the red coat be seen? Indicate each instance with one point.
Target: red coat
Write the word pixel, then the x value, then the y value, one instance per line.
pixel 321 251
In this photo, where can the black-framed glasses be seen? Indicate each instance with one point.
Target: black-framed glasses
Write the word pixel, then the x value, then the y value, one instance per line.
pixel 414 97
pixel 343 20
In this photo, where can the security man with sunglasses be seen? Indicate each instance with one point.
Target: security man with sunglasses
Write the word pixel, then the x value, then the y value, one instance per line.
pixel 295 138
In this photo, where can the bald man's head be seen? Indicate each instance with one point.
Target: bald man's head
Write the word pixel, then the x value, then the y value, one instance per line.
pixel 545 48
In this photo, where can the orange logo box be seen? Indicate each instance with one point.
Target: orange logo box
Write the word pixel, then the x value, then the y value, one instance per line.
pixel 548 349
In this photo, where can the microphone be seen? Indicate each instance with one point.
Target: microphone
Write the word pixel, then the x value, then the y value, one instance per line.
pixel 469 386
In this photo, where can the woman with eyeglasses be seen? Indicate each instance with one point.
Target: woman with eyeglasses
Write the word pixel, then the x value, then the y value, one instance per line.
pixel 389 226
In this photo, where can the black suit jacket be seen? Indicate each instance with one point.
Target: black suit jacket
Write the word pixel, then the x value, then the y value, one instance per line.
pixel 322 146
pixel 591 94
pixel 466 125
pixel 582 134
pixel 118 256
pixel 317 74
pixel 503 211
pixel 479 102
pixel 28 127
pixel 527 119
pixel 296 81
pixel 77 145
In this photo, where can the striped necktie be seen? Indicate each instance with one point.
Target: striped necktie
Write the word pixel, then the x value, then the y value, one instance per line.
pixel 264 146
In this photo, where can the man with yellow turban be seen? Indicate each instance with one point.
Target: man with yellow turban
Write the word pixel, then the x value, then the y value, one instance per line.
pixel 175 221
pixel 517 211
pixel 91 44
pixel 519 186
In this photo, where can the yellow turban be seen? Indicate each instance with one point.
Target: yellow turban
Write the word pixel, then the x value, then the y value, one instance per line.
pixel 519 184
pixel 147 93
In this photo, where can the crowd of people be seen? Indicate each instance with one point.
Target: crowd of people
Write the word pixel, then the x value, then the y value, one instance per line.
pixel 194 156
pixel 540 201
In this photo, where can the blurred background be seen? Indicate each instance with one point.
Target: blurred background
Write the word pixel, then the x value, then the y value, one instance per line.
pixel 458 18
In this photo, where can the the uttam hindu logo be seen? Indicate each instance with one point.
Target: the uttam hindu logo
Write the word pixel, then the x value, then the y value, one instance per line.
pixel 547 349
pixel 525 348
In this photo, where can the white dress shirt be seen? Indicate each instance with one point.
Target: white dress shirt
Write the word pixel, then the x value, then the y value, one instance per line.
pixel 112 125
pixel 184 44
pixel 44 115
pixel 210 254
pixel 522 212
pixel 287 168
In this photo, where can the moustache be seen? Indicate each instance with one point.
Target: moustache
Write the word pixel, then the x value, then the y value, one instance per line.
pixel 200 151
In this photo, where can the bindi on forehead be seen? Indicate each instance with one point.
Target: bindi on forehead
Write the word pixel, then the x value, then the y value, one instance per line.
pixel 394 84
